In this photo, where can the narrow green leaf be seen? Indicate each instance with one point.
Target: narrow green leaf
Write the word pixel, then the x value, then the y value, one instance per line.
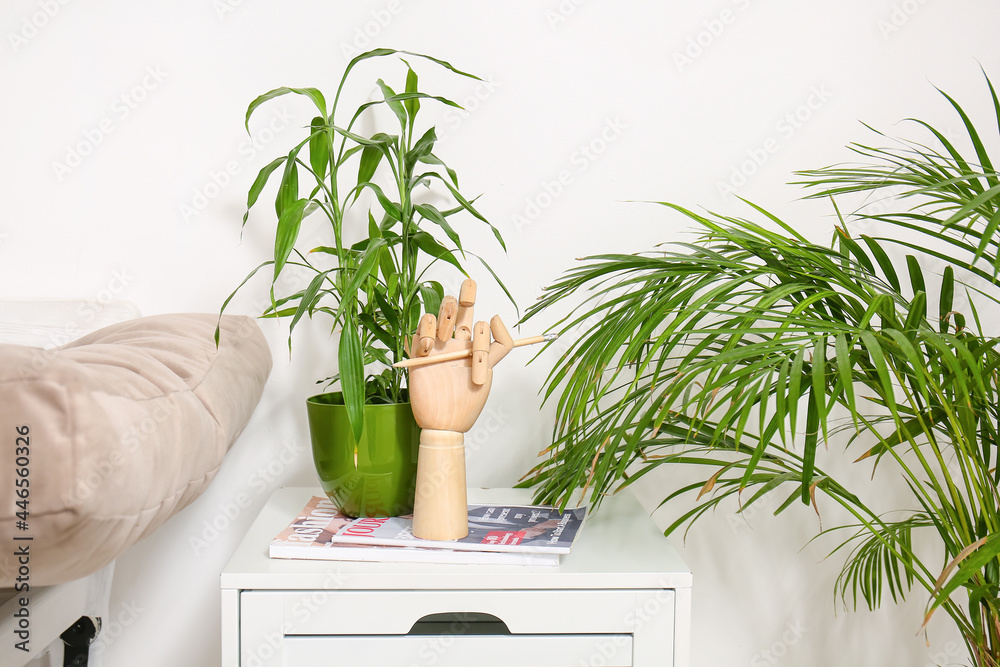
pixel 371 325
pixel 845 367
pixel 916 275
pixel 430 158
pixel 818 394
pixel 421 149
pixel 319 147
pixel 431 213
pixel 287 233
pixel 883 261
pixel 794 391
pixel 387 309
pixel 918 312
pixel 977 143
pixel 989 235
pixel 971 566
pixel 431 294
pixel 885 385
pixel 856 250
pixel 811 442
pixel 946 300
pixel 230 297
pixel 390 207
pixel 413 104
pixel 306 302
pixel 352 376
pixel 288 190
pixel 369 260
pixel 429 245
pixel 467 205
pixel 395 105
pixel 313 94
pixel 370 157
pixel 260 182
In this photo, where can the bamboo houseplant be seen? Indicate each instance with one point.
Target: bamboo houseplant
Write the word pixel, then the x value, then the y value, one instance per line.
pixel 379 198
pixel 735 353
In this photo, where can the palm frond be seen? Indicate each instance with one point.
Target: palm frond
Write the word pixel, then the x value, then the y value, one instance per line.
pixel 733 352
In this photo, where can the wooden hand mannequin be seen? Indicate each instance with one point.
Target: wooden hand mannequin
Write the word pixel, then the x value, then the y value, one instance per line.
pixel 447 398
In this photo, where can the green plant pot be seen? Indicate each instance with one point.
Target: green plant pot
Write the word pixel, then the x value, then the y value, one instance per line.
pixel 374 477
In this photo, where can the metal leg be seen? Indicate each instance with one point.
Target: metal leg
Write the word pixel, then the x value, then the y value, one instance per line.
pixel 77 640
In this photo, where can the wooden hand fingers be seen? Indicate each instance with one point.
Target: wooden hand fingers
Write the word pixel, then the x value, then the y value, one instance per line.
pixel 424 340
pixel 466 301
pixel 480 353
pixel 502 342
pixel 446 318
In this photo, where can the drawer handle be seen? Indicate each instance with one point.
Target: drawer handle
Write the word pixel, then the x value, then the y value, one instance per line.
pixel 459 623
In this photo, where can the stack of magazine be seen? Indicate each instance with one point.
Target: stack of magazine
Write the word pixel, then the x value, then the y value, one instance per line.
pixel 500 534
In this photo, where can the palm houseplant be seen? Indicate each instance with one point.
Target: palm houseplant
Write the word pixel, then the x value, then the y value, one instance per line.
pixel 385 205
pixel 744 352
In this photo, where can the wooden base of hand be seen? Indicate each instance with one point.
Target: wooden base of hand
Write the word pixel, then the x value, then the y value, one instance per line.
pixel 447 394
pixel 440 506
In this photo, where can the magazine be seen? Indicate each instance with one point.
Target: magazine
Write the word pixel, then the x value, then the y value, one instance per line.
pixel 309 537
pixel 526 529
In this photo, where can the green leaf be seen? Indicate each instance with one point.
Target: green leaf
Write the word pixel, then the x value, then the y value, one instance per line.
pixel 370 157
pixel 260 182
pixel 947 298
pixel 390 207
pixel 885 384
pixel 429 245
pixel 306 302
pixel 813 414
pixel 369 260
pixel 319 147
pixel 421 149
pixel 311 93
pixel 467 205
pixel 287 233
pixel 971 566
pixel 431 294
pixel 396 106
pixel 377 330
pixel 844 369
pixel 977 143
pixel 387 309
pixel 352 376
pixel 430 158
pixel 883 261
pixel 230 297
pixel 430 213
pixel 916 275
pixel 288 190
pixel 412 105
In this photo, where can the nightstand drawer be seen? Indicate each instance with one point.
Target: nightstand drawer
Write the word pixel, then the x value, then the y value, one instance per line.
pixel 536 627
pixel 463 651
pixel 523 612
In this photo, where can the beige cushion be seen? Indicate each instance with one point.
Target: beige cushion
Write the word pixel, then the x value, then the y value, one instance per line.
pixel 127 426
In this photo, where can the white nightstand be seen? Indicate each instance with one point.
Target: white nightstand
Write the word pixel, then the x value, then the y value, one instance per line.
pixel 622 597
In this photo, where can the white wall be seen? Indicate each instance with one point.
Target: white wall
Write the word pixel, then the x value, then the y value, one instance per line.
pixel 564 73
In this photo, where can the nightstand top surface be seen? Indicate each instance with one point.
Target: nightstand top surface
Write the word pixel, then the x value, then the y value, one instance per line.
pixel 619 547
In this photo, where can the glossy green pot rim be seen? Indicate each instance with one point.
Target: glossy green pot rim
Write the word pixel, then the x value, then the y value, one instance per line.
pixel 337 398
